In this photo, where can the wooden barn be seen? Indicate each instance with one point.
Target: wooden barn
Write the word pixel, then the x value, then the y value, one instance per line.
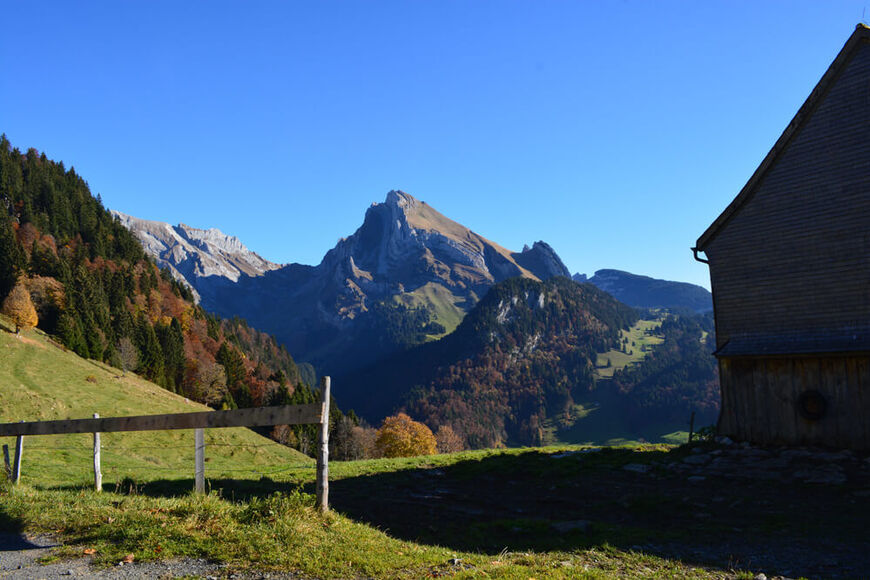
pixel 789 263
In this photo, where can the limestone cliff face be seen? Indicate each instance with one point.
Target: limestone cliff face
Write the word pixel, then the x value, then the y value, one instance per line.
pixel 193 255
pixel 405 244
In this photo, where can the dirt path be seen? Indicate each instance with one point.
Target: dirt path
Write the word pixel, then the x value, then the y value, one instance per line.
pixel 20 555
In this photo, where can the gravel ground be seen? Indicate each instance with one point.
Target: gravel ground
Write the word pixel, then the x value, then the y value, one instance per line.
pixel 19 557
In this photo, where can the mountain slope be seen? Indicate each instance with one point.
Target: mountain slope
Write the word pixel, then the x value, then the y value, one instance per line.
pixel 96 291
pixel 645 292
pixel 407 265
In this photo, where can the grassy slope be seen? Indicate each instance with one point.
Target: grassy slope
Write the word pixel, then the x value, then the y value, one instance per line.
pixel 444 305
pixel 39 381
pixel 643 335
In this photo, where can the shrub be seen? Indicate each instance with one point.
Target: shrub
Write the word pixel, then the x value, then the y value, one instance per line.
pixel 401 436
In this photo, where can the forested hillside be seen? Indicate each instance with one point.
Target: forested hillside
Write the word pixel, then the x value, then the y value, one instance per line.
pixel 96 292
pixel 522 354
pixel 678 376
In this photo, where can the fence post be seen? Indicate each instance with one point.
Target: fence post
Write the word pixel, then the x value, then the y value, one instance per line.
pixel 19 451
pixel 323 449
pixel 98 474
pixel 199 460
pixel 6 463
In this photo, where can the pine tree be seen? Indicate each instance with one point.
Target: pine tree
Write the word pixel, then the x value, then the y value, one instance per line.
pixel 11 258
pixel 70 332
pixel 171 339
pixel 151 359
pixel 19 308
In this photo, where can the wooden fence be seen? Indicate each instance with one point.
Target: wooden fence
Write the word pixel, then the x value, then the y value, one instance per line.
pixel 316 413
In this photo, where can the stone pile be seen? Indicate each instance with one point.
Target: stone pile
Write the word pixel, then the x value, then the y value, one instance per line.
pixel 787 465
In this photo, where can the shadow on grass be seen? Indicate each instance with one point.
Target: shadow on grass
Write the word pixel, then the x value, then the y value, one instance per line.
pixel 578 500
pixel 573 501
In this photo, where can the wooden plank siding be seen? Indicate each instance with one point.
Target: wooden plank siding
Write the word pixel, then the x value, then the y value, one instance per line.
pixel 796 257
pixel 760 400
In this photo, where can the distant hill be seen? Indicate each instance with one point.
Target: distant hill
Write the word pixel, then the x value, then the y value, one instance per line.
pixel 645 292
pixel 406 275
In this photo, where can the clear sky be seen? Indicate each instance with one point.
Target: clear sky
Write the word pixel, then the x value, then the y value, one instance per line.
pixel 615 131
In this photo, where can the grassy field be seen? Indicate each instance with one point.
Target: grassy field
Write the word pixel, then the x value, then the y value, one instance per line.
pixel 40 381
pixel 554 512
pixel 641 337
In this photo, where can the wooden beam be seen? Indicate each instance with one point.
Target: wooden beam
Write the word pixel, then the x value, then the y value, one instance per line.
pixel 256 417
pixel 199 460
pixel 323 449
pixel 16 467
pixel 98 474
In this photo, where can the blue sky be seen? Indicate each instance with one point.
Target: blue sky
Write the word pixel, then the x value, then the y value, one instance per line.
pixel 615 131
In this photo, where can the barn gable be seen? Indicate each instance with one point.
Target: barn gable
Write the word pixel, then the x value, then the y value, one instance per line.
pixel 789 266
pixel 789 256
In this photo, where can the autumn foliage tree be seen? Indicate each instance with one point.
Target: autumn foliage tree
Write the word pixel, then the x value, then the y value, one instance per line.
pixel 401 436
pixel 20 309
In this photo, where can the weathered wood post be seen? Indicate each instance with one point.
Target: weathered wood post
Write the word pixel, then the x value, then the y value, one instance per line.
pixel 323 448
pixel 98 474
pixel 19 451
pixel 6 463
pixel 199 460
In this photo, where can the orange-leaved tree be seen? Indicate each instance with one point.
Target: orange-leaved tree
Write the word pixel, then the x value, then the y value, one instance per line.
pixel 20 309
pixel 401 436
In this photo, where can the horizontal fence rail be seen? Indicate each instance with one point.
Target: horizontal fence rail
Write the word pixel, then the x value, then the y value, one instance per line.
pixel 255 417
pixel 316 413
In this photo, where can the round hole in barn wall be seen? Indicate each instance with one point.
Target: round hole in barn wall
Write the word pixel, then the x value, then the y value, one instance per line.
pixel 812 405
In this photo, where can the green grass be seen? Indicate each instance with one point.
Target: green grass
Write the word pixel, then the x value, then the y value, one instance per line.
pixel 643 335
pixel 445 306
pixel 40 381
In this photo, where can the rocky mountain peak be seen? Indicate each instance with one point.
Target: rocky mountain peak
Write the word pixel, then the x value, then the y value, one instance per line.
pixel 401 200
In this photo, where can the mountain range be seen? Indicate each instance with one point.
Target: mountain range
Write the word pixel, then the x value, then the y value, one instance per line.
pixel 645 292
pixel 407 266
pixel 407 275
pixel 413 311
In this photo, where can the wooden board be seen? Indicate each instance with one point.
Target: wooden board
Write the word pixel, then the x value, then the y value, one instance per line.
pixel 256 417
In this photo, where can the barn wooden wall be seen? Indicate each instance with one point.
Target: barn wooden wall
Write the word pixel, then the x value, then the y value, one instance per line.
pixel 760 400
pixel 794 258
